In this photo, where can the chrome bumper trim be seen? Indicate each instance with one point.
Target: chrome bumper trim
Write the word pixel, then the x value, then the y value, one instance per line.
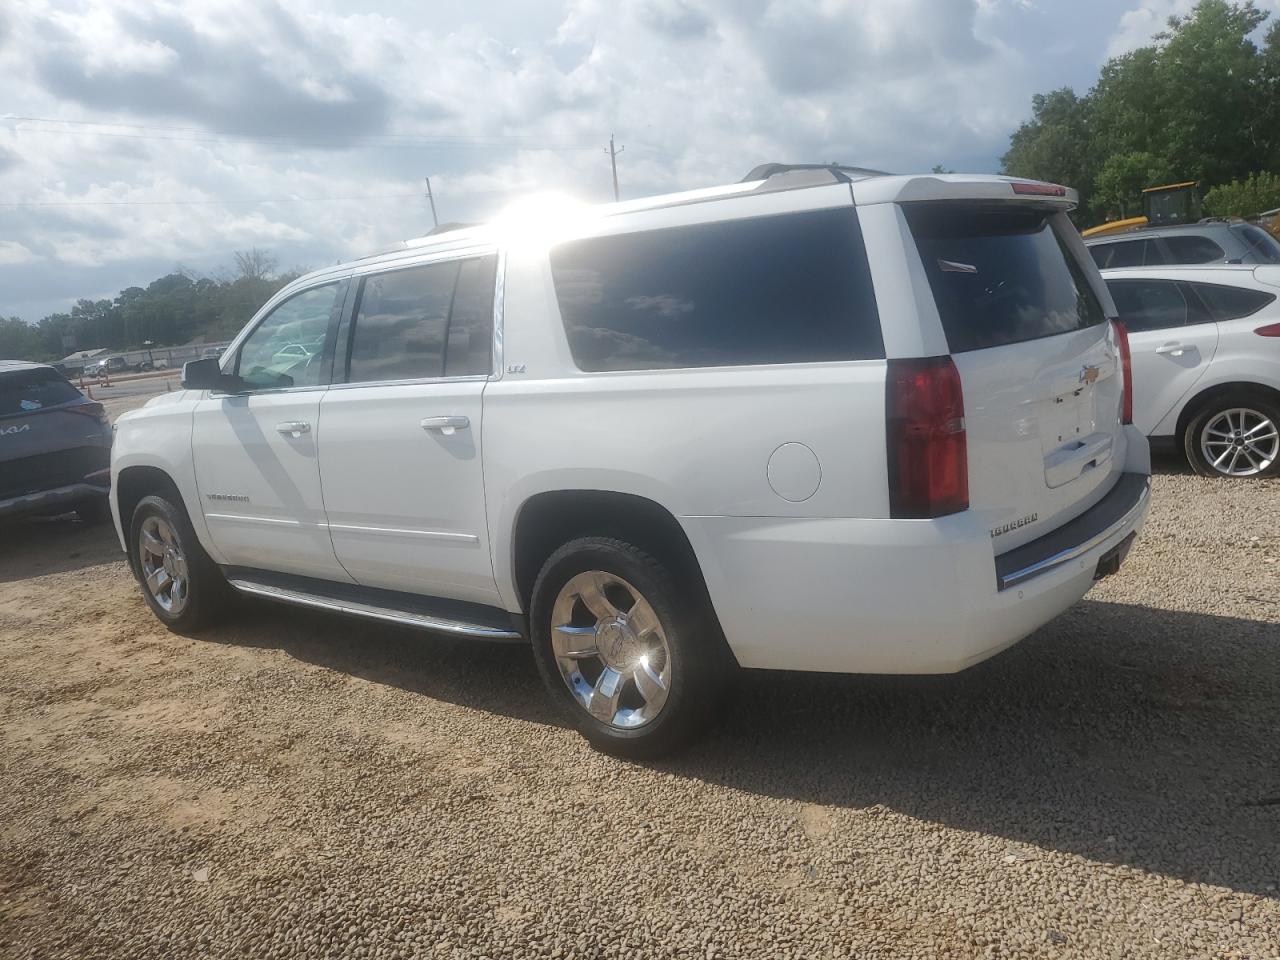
pixel 1076 538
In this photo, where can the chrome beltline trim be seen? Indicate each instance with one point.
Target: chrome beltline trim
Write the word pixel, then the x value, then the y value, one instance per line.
pixel 371 612
pixel 1015 577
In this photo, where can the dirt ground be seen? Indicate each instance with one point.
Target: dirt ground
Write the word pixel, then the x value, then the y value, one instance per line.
pixel 291 784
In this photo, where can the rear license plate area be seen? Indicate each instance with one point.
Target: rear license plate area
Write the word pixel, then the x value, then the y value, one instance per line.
pixel 1110 561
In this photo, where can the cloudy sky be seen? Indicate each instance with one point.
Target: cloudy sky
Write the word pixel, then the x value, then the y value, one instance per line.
pixel 140 134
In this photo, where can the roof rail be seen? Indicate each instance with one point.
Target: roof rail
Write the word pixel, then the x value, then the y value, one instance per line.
pixel 839 173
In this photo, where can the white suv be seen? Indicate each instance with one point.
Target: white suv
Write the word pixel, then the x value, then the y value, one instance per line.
pixel 821 419
pixel 1205 343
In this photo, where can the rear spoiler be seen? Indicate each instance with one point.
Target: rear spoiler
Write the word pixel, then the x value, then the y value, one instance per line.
pixel 962 187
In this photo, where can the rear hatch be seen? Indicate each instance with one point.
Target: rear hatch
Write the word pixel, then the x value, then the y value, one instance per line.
pixel 50 436
pixel 1038 362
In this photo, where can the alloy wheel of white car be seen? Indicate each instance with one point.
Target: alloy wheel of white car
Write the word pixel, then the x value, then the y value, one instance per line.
pixel 1240 442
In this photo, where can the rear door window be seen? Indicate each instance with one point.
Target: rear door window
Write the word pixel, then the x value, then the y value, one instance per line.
pixel 1000 274
pixel 1231 303
pixel 1153 305
pixel 27 391
pixel 1189 248
pixel 793 288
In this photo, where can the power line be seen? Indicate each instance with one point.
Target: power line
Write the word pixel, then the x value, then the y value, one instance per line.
pixel 142 203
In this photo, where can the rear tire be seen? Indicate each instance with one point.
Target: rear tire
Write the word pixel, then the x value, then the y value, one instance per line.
pixel 180 583
pixel 1235 437
pixel 636 662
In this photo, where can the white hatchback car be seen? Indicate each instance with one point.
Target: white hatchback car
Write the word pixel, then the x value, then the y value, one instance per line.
pixel 822 419
pixel 1205 346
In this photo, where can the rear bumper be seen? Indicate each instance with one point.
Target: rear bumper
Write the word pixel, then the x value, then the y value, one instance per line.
pixel 897 596
pixel 48 501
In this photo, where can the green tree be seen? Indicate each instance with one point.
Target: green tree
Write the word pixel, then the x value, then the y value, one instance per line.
pixel 19 340
pixel 1202 102
pixel 1257 193
pixel 1055 144
pixel 1119 184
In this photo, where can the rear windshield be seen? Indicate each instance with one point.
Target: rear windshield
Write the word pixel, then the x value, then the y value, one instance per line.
pixel 30 390
pixel 1264 247
pixel 1000 274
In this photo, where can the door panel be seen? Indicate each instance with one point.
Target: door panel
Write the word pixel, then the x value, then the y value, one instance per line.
pixel 403 487
pixel 259 479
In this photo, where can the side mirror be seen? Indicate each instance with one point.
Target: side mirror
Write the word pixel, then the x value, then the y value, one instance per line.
pixel 205 374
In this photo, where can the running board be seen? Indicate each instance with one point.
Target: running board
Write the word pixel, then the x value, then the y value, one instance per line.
pixel 452 617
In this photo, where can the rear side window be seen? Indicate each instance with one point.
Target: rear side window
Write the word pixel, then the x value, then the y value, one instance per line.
pixel 1000 274
pixel 793 288
pixel 1126 253
pixel 1189 248
pixel 1231 303
pixel 424 322
pixel 30 390
pixel 1154 305
pixel 1264 247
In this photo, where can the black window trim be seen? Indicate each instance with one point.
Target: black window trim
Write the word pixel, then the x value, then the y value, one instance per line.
pixel 270 307
pixel 341 379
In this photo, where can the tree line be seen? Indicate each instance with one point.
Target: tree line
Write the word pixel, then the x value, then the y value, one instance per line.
pixel 175 309
pixel 1202 102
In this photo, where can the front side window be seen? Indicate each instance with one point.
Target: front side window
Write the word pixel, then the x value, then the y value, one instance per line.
pixel 425 322
pixel 1188 248
pixel 792 288
pixel 287 348
pixel 1150 304
pixel 1232 303
pixel 1000 273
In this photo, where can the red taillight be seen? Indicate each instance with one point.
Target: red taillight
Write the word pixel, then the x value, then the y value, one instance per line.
pixel 95 410
pixel 1126 368
pixel 1038 189
pixel 928 455
pixel 1270 330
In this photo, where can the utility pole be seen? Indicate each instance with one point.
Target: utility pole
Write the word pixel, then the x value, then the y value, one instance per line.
pixel 435 221
pixel 613 161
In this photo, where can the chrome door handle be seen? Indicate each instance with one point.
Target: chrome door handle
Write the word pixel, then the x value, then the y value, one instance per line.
pixel 446 425
pixel 1171 349
pixel 293 428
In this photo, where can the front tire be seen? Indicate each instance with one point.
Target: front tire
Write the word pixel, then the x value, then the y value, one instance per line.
pixel 636 662
pixel 1235 437
pixel 180 583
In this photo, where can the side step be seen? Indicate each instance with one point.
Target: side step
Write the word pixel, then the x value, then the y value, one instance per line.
pixel 454 617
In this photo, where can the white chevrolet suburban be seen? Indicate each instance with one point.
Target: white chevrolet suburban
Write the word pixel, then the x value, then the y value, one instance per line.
pixel 822 419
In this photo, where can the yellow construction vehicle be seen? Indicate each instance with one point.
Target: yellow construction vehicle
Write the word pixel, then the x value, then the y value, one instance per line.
pixel 1161 207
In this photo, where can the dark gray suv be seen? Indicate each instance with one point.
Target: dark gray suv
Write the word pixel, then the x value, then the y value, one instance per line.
pixel 1212 242
pixel 55 445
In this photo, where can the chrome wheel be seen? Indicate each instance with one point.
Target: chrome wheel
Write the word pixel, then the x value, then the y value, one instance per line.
pixel 611 649
pixel 1240 442
pixel 163 565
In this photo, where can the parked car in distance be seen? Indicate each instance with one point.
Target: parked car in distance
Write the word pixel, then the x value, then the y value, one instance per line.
pixel 822 419
pixel 1207 242
pixel 55 445
pixel 1205 348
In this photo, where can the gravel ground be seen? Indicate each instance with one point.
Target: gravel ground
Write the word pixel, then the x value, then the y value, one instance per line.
pixel 294 785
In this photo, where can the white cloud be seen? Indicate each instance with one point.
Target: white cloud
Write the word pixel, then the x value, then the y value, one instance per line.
pixel 293 100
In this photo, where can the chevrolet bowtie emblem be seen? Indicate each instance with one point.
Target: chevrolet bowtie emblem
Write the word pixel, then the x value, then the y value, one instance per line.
pixel 1089 375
